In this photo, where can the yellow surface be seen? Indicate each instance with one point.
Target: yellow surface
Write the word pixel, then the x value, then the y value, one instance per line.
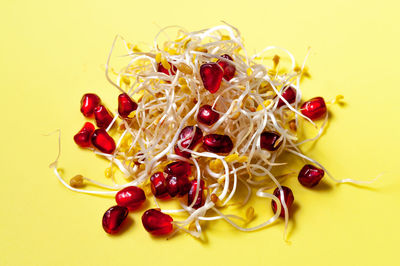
pixel 53 51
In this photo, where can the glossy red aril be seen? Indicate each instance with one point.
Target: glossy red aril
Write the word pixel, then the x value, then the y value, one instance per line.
pixel 113 219
pixel 159 185
pixel 179 169
pixel 229 69
pixel 103 116
pixel 314 108
pixel 289 94
pixel 309 175
pixel 102 141
pixel 83 137
pixel 192 193
pixel 161 68
pixel 125 105
pixel 217 143
pixel 207 115
pixel 268 140
pixel 177 186
pixel 89 101
pixel 157 223
pixel 131 197
pixel 211 75
pixel 287 197
pixel 189 140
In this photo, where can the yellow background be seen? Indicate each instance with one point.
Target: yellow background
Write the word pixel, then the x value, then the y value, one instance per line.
pixel 52 52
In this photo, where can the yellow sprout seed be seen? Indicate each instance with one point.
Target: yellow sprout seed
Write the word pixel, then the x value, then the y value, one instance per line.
pixel 182 67
pixel 77 181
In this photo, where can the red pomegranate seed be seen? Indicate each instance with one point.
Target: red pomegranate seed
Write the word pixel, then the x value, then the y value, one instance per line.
pixel 82 138
pixel 314 108
pixel 179 169
pixel 177 186
pixel 289 94
pixel 102 141
pixel 131 197
pixel 89 101
pixel 268 140
pixel 113 218
pixel 207 115
pixel 309 175
pixel 229 69
pixel 288 199
pixel 157 223
pixel 192 193
pixel 159 185
pixel 211 75
pixel 190 140
pixel 161 68
pixel 217 143
pixel 103 116
pixel 125 105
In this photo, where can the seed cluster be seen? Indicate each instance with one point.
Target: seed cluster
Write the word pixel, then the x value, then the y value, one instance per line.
pixel 198 118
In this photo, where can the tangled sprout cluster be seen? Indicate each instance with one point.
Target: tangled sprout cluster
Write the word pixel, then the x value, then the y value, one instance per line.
pixel 197 118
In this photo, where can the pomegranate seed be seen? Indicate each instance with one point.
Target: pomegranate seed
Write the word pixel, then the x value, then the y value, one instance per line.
pixel 268 140
pixel 161 68
pixel 159 185
pixel 82 138
pixel 289 94
pixel 211 75
pixel 314 108
pixel 288 198
pixel 217 143
pixel 192 193
pixel 157 223
pixel 229 69
pixel 89 101
pixel 131 197
pixel 125 105
pixel 113 219
pixel 309 175
pixel 189 140
pixel 179 169
pixel 102 141
pixel 177 185
pixel 207 115
pixel 103 116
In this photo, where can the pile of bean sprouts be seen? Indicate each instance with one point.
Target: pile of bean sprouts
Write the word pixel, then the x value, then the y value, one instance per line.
pixel 167 103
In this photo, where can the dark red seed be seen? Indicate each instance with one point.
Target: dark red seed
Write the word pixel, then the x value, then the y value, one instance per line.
pixel 157 223
pixel 229 69
pixel 211 75
pixel 125 105
pixel 217 143
pixel 83 137
pixel 207 115
pixel 189 140
pixel 131 197
pixel 192 193
pixel 89 101
pixel 113 218
pixel 103 116
pixel 309 175
pixel 268 140
pixel 161 68
pixel 177 186
pixel 179 169
pixel 102 141
pixel 288 199
pixel 314 108
pixel 159 185
pixel 289 94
